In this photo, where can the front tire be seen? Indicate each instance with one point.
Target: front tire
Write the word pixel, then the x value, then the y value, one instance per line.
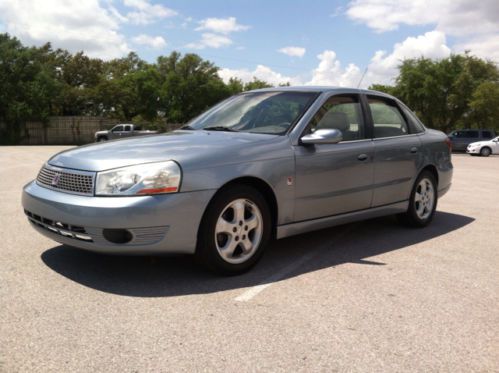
pixel 234 231
pixel 422 203
pixel 485 152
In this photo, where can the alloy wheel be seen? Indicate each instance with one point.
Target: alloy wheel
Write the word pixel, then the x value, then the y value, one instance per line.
pixel 238 231
pixel 424 199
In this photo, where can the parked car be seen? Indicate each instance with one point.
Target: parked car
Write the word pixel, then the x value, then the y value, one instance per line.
pixel 121 131
pixel 484 148
pixel 462 138
pixel 263 164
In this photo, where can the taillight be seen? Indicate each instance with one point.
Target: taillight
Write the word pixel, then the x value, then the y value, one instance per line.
pixel 449 144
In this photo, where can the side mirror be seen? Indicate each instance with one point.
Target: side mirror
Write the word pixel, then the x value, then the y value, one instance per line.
pixel 323 136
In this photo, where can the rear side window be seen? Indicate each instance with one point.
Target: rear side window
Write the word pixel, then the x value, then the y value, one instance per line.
pixel 128 128
pixel 460 134
pixel 388 121
pixel 342 113
pixel 415 126
pixel 487 134
pixel 472 134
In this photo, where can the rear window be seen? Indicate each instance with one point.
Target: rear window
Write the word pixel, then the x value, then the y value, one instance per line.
pixel 387 118
pixel 415 126
pixel 465 134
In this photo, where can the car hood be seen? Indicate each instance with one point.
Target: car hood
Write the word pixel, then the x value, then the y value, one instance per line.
pixel 191 149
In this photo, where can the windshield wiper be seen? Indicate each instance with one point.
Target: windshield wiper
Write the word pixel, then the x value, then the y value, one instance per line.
pixel 187 128
pixel 220 128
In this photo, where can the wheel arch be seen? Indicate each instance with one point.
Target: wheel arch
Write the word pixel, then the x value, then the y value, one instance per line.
pixel 486 147
pixel 261 186
pixel 431 168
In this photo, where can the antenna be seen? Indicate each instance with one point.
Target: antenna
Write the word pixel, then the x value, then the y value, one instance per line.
pixel 362 77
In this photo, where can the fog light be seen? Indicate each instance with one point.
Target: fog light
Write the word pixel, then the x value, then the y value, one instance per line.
pixel 119 236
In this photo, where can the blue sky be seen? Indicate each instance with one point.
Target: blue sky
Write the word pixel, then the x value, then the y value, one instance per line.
pixel 315 42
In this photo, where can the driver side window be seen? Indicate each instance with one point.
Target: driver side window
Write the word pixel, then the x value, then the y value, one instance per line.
pixel 342 113
pixel 118 129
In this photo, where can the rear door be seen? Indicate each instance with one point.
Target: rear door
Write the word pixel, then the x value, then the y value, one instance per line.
pixel 471 136
pixel 397 151
pixel 127 130
pixel 495 145
pixel 335 178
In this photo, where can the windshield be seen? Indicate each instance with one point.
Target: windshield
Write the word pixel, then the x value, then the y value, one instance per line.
pixel 258 112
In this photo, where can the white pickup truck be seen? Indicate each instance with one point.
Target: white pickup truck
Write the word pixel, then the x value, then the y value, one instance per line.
pixel 121 131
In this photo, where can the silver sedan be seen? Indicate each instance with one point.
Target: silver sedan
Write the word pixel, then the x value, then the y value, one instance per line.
pixel 260 165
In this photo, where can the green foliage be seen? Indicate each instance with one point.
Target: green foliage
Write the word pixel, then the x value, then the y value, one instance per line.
pixel 484 105
pixel 256 84
pixel 36 83
pixel 383 88
pixel 40 82
pixel 454 92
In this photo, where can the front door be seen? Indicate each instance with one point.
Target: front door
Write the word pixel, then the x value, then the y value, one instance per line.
pixel 337 178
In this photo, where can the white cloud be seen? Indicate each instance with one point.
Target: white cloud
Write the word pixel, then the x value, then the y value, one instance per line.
pixel 155 42
pixel 218 35
pixel 482 46
pixel 474 23
pixel 260 72
pixel 330 72
pixel 209 40
pixel 145 13
pixel 70 24
pixel 454 17
pixel 383 67
pixel 293 51
pixel 221 25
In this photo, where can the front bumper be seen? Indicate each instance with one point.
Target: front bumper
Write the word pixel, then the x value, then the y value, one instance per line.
pixel 473 150
pixel 158 224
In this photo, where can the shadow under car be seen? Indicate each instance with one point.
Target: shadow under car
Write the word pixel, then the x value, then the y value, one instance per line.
pixel 179 275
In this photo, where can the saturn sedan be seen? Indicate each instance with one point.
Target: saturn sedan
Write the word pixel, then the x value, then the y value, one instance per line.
pixel 261 165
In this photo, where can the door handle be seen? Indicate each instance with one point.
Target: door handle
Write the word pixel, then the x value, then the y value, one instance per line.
pixel 362 157
pixel 414 150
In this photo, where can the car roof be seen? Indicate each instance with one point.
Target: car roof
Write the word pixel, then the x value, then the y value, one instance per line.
pixel 322 89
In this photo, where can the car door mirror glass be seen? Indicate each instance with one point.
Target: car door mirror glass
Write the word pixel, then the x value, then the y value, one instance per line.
pixel 323 136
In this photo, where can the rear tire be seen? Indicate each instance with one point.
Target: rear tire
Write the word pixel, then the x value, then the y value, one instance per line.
pixel 234 231
pixel 485 152
pixel 422 203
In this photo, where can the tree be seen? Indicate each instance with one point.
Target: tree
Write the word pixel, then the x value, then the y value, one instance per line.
pixel 189 86
pixel 256 84
pixel 484 106
pixel 29 86
pixel 441 91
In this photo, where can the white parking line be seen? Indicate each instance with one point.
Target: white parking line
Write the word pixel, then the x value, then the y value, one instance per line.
pixel 257 289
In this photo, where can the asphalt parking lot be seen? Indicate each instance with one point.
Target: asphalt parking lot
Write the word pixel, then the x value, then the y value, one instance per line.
pixel 368 296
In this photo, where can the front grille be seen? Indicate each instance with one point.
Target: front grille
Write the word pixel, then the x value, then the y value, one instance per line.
pixel 71 181
pixel 57 227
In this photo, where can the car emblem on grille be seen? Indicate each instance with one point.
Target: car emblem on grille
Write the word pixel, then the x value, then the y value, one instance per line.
pixel 55 179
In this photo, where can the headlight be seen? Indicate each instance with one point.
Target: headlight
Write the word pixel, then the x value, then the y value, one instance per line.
pixel 142 179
